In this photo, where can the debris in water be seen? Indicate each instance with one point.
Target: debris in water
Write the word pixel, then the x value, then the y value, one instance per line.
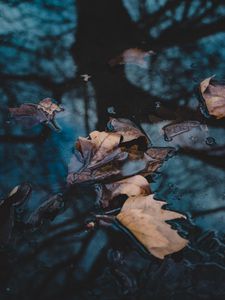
pixel 174 129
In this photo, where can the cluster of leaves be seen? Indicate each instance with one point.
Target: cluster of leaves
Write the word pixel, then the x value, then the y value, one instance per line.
pixel 117 161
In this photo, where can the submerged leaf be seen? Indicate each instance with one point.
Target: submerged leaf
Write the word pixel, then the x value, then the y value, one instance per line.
pixel 30 114
pixel 134 56
pixel 15 198
pixel 213 94
pixel 47 210
pixel 145 219
pixel 132 186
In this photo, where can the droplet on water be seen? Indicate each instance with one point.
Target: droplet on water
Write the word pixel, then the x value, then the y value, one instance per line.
pixel 210 141
pixel 111 110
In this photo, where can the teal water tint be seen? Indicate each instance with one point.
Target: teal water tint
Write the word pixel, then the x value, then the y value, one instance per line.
pixel 45 49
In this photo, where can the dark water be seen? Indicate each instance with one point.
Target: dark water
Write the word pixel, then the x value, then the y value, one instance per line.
pixel 45 48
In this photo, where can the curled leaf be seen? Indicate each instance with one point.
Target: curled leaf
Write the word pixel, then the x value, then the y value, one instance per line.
pixel 172 130
pixel 103 157
pixel 213 94
pixel 128 130
pixel 132 186
pixel 98 157
pixel 30 114
pixel 146 220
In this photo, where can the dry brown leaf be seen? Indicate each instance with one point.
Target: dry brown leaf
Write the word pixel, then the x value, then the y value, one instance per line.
pixel 104 143
pixel 127 129
pixel 145 219
pixel 213 94
pixel 95 158
pixel 157 155
pixel 132 186
pixel 49 107
pixel 31 114
pixel 114 155
pixel 95 161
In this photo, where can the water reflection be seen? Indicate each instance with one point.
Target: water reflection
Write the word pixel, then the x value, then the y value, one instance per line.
pixel 46 47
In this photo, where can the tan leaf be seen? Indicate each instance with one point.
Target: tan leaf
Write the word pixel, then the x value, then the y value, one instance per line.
pixel 98 157
pixel 132 186
pixel 145 219
pixel 213 94
pixel 104 143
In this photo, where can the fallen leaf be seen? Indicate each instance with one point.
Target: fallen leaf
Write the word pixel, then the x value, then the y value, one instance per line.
pixel 96 157
pixel 47 210
pixel 103 157
pixel 16 197
pixel 174 129
pixel 133 56
pixel 213 94
pixel 30 114
pixel 145 219
pixel 127 129
pixel 132 186
pixel 158 155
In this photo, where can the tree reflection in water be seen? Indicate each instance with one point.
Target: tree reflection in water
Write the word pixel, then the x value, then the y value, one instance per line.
pixel 46 47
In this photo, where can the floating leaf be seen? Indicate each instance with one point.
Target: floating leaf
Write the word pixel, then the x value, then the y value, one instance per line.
pixel 172 130
pixel 213 94
pixel 47 210
pixel 15 198
pixel 127 129
pixel 132 186
pixel 30 114
pixel 103 157
pixel 145 219
pixel 98 157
